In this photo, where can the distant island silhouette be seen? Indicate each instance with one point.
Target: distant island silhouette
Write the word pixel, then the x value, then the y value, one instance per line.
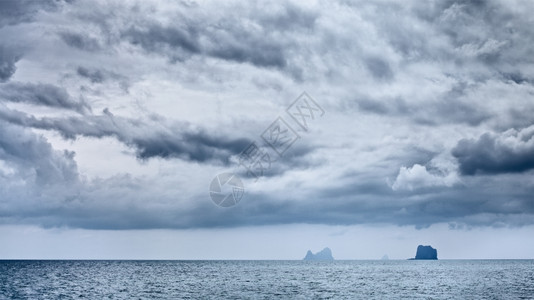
pixel 425 252
pixel 325 255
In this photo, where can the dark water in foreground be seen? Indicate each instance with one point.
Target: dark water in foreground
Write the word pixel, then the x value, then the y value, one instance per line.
pixel 459 279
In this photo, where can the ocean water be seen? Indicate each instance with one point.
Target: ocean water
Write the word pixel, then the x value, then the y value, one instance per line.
pixel 393 279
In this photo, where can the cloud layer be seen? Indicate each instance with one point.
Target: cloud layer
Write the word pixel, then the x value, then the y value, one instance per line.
pixel 117 115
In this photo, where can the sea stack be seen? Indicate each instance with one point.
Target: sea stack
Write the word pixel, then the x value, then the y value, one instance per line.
pixel 325 254
pixel 426 252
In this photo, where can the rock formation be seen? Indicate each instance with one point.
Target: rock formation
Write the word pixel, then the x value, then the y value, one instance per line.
pixel 325 254
pixel 426 252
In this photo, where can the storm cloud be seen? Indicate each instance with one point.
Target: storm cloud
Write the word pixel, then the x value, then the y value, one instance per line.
pixel 41 94
pixel 13 12
pixel 117 115
pixel 8 59
pixel 30 155
pixel 168 141
pixel 227 41
pixel 509 152
pixel 80 41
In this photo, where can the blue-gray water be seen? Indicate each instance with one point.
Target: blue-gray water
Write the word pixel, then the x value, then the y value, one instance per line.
pixel 443 279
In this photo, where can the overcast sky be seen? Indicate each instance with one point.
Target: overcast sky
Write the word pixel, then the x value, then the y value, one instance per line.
pixel 115 116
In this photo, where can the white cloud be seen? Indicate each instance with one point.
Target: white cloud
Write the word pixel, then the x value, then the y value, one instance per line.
pixel 418 176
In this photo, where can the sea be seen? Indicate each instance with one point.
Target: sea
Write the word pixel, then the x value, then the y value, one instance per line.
pixel 234 279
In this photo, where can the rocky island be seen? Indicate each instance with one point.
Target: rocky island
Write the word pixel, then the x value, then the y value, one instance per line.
pixel 325 254
pixel 426 252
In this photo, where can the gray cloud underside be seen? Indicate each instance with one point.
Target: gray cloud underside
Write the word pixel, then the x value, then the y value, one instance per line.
pixel 175 141
pixel 508 152
pixel 13 12
pixel 33 157
pixel 41 94
pixel 8 59
pixel 100 206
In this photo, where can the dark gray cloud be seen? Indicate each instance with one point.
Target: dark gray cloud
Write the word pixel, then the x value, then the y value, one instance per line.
pixel 41 94
pixel 95 76
pixel 16 11
pixel 509 152
pixel 33 157
pixel 228 43
pixel 80 41
pixel 8 58
pixel 297 158
pixel 245 35
pixel 155 37
pixel 195 145
pixel 450 107
pixel 372 201
pixel 102 76
pixel 379 68
pixel 159 139
pixel 518 77
pixel 359 203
